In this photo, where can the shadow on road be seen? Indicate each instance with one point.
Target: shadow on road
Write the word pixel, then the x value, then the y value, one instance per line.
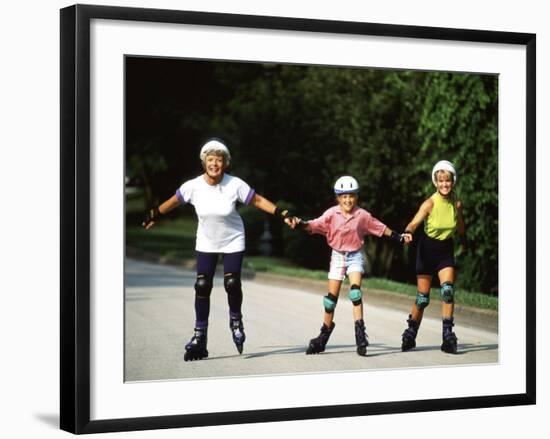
pixel 330 350
pixel 279 351
pixel 381 349
pixel 463 348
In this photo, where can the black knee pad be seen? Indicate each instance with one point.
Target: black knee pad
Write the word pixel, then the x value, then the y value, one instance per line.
pixel 232 284
pixel 203 286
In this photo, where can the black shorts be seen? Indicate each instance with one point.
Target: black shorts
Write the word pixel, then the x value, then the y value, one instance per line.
pixel 432 255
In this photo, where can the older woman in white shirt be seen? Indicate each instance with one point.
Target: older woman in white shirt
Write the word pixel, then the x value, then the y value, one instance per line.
pixel 214 194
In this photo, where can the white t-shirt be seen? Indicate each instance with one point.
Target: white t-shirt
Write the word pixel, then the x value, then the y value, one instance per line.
pixel 220 228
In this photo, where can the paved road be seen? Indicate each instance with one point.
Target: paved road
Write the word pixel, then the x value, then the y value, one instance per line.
pixel 279 321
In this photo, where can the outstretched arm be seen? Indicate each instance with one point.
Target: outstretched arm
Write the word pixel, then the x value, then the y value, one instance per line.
pixel 263 204
pixel 267 206
pixel 153 214
pixel 402 238
pixel 169 205
pixel 423 212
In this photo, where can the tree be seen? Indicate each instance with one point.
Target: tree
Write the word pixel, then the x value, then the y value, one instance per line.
pixel 293 130
pixel 459 122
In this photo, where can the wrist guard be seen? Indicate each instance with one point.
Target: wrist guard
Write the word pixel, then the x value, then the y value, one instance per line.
pixel 152 216
pixel 282 213
pixel 396 237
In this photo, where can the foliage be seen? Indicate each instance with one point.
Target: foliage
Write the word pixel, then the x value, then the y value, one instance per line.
pixel 459 120
pixel 254 223
pixel 293 130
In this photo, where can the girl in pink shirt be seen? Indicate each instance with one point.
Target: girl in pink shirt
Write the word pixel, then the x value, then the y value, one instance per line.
pixel 345 226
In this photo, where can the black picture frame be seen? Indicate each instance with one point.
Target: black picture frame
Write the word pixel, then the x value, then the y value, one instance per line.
pixel 75 213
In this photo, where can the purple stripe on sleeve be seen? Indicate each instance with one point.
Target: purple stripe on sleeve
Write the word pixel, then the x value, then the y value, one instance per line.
pixel 250 196
pixel 180 197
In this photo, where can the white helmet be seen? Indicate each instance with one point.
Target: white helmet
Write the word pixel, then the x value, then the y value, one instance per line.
pixel 443 165
pixel 346 185
pixel 217 147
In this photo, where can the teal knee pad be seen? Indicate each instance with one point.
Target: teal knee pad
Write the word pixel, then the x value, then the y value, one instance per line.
pixel 355 295
pixel 422 300
pixel 447 292
pixel 329 301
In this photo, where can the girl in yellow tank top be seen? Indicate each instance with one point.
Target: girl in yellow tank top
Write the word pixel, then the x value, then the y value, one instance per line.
pixel 442 221
pixel 442 217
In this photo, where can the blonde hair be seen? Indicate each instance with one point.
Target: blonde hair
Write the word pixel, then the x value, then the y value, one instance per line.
pixel 444 171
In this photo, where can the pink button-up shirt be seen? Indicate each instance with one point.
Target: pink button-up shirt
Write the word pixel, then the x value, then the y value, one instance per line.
pixel 346 234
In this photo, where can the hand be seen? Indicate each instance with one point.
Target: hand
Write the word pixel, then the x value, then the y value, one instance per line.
pixel 401 238
pixel 150 218
pixel 292 222
pixel 407 238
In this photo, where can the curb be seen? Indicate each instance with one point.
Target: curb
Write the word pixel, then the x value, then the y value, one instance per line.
pixel 464 315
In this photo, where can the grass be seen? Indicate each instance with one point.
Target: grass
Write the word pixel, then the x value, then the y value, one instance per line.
pixel 281 266
pixel 462 297
pixel 176 239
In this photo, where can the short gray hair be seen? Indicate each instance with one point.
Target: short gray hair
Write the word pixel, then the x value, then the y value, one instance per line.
pixel 215 147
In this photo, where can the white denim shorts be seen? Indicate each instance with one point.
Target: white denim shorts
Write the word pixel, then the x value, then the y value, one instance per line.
pixel 343 263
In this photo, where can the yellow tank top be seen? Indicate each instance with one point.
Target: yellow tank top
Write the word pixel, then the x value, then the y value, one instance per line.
pixel 441 222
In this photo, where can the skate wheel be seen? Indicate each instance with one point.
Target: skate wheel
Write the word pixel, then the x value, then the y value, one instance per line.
pixel 311 350
pixel 191 356
pixel 314 349
pixel 408 345
pixel 449 348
